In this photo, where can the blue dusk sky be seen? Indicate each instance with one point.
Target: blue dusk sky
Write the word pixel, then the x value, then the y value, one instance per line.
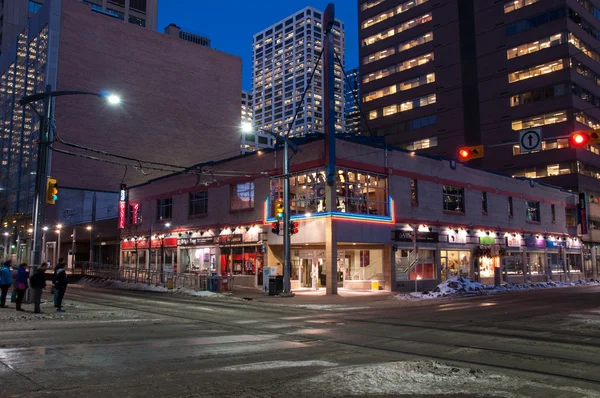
pixel 231 24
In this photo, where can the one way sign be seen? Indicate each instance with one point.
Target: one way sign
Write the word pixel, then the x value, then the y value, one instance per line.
pixel 530 140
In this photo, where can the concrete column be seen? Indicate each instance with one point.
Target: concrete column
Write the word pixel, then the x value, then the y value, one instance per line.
pixel 593 261
pixel 331 254
pixel 388 269
pixel 218 259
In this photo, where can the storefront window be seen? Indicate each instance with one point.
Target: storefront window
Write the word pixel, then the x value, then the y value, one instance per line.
pixel 574 261
pixel 362 265
pixel 425 267
pixel 455 263
pixel 513 263
pixel 535 263
pixel 555 263
pixel 198 259
pixel 486 267
pixel 357 192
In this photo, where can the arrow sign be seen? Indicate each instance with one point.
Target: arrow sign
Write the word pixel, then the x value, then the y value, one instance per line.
pixel 530 140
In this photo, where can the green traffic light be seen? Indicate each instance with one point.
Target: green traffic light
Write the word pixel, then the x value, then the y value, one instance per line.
pixel 54 197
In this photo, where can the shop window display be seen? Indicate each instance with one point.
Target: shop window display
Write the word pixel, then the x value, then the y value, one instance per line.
pixel 535 263
pixel 455 263
pixel 513 263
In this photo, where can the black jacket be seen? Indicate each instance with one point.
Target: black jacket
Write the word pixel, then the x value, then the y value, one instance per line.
pixel 60 278
pixel 38 280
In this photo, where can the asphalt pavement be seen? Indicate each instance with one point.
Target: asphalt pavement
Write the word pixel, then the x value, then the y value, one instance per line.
pixel 542 343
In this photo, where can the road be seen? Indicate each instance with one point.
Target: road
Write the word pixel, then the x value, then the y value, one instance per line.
pixel 542 343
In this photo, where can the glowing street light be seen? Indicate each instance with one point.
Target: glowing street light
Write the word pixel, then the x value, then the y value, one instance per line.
pixel 113 99
pixel 246 127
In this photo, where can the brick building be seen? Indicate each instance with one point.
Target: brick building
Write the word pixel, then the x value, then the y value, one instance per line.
pixel 180 106
pixel 391 206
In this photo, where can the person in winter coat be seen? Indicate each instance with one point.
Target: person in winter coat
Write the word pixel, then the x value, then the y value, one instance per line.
pixel 13 273
pixel 21 285
pixel 5 282
pixel 60 285
pixel 38 283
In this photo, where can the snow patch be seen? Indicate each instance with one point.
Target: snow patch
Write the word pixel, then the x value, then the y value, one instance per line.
pixel 417 378
pixel 114 284
pixel 461 286
pixel 275 365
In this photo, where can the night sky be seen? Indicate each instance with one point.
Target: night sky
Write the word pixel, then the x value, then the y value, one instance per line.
pixel 230 24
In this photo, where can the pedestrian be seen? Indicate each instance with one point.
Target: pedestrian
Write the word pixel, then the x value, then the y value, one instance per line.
pixel 21 284
pixel 13 273
pixel 60 284
pixel 5 282
pixel 38 283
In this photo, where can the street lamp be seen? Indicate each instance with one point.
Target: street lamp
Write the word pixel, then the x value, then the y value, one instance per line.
pixel 246 127
pixel 42 159
pixel 57 256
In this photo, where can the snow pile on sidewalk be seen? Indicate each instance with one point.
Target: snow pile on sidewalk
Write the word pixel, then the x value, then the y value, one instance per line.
pixel 114 284
pixel 461 286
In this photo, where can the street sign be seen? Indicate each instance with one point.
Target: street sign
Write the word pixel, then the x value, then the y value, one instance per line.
pixel 530 140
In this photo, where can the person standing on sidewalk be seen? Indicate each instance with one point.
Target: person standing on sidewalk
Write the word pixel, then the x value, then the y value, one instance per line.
pixel 21 285
pixel 5 282
pixel 38 283
pixel 60 285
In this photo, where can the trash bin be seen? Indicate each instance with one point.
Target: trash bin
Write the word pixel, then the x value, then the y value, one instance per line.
pixel 170 283
pixel 275 285
pixel 374 285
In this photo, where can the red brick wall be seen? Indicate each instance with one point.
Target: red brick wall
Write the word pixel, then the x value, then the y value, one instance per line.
pixel 181 101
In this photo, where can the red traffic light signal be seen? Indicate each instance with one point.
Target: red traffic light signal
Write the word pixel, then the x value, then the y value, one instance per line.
pixel 275 228
pixel 470 152
pixel 293 227
pixel 579 139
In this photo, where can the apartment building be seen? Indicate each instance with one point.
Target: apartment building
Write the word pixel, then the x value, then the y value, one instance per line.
pixel 352 97
pixel 439 75
pixel 284 55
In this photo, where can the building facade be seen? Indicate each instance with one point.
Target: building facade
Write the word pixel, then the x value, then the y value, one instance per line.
pixel 284 55
pixel 352 98
pixel 14 14
pixel 400 218
pixel 440 75
pixel 162 117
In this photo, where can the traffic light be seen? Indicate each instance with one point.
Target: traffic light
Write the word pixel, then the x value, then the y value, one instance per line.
pixel 51 191
pixel 293 227
pixel 279 209
pixel 579 139
pixel 470 152
pixel 275 228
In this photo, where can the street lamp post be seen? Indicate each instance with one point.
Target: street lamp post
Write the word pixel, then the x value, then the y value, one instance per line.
pixel 42 161
pixel 43 254
pixel 89 228
pixel 58 228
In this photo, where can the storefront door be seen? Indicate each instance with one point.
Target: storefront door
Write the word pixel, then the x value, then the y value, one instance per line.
pixel 306 270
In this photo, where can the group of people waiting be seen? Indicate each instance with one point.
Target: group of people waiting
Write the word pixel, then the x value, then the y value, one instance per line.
pixel 20 280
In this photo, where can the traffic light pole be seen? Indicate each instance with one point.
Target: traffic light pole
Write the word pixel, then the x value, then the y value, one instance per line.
pixel 41 178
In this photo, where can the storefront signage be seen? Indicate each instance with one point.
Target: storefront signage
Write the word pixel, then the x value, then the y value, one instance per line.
pixel 407 236
pixel 122 206
pixel 574 243
pixel 556 243
pixel 532 241
pixel 202 240
pixel 232 239
pixel 135 209
pixel 487 240
pixel 143 243
pixel 457 238
pixel 513 241
pixel 582 213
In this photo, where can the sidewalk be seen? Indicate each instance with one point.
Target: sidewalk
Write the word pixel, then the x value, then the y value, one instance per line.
pixel 306 296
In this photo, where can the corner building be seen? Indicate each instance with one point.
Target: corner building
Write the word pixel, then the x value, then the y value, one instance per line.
pixel 401 217
pixel 437 75
pixel 283 56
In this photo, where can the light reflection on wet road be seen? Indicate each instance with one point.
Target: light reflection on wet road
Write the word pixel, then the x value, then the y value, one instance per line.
pixel 141 344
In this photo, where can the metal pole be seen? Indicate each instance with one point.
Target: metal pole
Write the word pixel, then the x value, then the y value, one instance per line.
pixel 73 249
pixel 6 249
pixel 93 230
pixel 43 254
pixel 41 177
pixel 57 250
pixel 100 249
pixel 287 264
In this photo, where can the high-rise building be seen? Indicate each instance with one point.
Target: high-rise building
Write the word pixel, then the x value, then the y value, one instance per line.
pixel 14 14
pixel 252 139
pixel 352 96
pixel 284 55
pixel 436 75
pixel 166 114
pixel 176 31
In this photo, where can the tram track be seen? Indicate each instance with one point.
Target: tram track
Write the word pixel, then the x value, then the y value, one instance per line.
pixel 422 347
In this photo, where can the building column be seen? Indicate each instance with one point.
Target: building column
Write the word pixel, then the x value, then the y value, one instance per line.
pixel 526 273
pixel 331 254
pixel 593 261
pixel 388 269
pixel 218 259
